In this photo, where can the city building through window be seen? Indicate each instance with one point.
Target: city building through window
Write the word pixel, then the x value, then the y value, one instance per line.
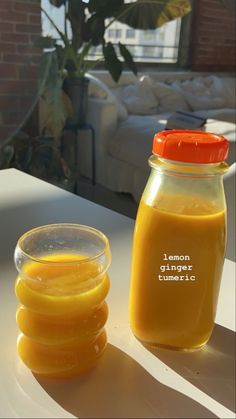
pixel 161 45
pixel 158 45
pixel 130 33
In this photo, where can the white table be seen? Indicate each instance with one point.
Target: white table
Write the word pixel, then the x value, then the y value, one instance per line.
pixel 130 381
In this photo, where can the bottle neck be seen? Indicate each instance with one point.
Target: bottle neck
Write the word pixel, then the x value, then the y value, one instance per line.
pixel 175 168
pixel 181 187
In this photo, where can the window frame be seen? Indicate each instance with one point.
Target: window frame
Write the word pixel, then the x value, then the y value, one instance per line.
pixel 183 59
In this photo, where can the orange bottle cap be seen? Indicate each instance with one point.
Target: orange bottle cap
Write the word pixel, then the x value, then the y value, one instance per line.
pixel 190 146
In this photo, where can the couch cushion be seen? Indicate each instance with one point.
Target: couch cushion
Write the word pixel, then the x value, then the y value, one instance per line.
pixel 224 87
pixel 139 98
pixel 132 142
pixel 169 98
pixel 99 90
pixel 200 94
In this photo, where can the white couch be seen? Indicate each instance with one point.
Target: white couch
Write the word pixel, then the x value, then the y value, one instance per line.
pixel 126 116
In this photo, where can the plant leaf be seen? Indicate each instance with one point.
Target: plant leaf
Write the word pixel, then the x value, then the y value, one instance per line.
pixel 95 6
pixel 44 66
pixel 113 64
pixel 57 3
pixel 150 14
pixel 128 58
pixel 54 109
pixel 173 10
pixel 69 60
pixel 76 16
pixel 97 28
pixel 105 8
pixel 81 63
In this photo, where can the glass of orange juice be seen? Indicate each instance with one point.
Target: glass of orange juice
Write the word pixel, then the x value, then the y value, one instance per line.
pixel 62 284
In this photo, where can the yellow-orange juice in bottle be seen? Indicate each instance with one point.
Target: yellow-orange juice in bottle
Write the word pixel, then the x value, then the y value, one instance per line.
pixel 179 242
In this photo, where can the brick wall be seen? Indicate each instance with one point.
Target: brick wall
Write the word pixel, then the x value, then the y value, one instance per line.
pixel 20 23
pixel 213 36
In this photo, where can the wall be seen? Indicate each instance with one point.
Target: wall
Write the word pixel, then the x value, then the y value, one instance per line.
pixel 213 36
pixel 20 23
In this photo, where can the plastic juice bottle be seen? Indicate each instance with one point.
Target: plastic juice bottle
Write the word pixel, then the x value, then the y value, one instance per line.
pixel 179 241
pixel 61 286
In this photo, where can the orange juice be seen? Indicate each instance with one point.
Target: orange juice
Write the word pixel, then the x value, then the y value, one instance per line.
pixel 62 314
pixel 179 241
pixel 176 270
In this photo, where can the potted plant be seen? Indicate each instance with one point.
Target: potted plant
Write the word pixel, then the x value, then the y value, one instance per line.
pixel 63 82
pixel 88 22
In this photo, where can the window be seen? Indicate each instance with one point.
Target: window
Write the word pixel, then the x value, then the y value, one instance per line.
pixel 111 33
pixel 149 35
pixel 114 33
pixel 118 33
pixel 157 45
pixel 130 33
pixel 151 54
pixel 160 45
pixel 168 44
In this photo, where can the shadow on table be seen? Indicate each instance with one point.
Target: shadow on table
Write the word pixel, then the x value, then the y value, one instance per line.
pixel 120 387
pixel 211 369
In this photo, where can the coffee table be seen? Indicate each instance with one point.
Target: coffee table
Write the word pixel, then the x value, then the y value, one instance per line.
pixel 130 380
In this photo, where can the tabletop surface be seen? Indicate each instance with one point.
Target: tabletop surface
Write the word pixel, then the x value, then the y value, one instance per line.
pixel 130 380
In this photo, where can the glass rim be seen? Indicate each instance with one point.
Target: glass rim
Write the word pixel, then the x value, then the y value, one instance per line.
pixel 82 227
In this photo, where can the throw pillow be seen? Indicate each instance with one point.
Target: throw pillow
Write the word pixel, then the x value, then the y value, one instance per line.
pixel 198 94
pixel 139 98
pixel 170 99
pixel 225 88
pixel 100 90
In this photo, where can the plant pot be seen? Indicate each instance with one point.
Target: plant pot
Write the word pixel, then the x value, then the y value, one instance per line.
pixel 77 90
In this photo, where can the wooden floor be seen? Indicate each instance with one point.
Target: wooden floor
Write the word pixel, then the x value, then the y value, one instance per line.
pixel 119 202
